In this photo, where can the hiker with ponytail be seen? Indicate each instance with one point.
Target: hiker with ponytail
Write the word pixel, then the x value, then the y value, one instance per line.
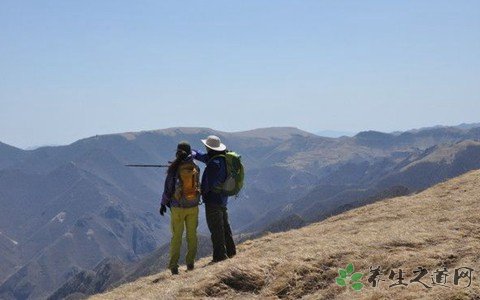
pixel 182 195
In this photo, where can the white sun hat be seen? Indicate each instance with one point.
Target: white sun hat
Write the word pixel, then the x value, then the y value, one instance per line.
pixel 213 142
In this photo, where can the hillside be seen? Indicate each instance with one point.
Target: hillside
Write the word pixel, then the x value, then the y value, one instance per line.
pixel 80 203
pixel 433 229
pixel 112 272
pixel 9 154
pixel 354 185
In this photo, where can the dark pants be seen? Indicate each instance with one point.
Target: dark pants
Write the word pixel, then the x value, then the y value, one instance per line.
pixel 222 240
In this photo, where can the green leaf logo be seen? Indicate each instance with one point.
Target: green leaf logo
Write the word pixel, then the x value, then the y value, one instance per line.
pixel 347 277
pixel 357 286
pixel 350 269
pixel 357 276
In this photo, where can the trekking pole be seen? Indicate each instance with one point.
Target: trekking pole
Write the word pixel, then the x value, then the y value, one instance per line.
pixel 148 166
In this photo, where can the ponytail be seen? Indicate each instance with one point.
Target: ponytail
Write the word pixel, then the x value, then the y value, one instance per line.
pixel 179 157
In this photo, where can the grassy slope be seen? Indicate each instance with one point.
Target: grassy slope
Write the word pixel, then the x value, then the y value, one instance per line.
pixel 439 226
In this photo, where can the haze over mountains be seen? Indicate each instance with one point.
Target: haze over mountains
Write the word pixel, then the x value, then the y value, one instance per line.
pixel 334 133
pixel 67 208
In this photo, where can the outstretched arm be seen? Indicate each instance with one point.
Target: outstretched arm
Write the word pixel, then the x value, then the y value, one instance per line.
pixel 200 156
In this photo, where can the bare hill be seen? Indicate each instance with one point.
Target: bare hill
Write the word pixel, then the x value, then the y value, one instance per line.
pixel 433 229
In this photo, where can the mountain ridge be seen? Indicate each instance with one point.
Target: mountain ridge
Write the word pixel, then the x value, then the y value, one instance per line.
pixel 193 130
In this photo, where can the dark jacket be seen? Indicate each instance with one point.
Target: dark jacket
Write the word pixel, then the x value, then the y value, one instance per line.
pixel 170 184
pixel 215 173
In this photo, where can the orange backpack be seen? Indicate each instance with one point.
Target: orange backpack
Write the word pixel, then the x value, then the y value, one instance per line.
pixel 187 187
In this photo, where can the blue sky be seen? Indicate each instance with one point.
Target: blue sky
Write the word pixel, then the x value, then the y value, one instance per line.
pixel 72 69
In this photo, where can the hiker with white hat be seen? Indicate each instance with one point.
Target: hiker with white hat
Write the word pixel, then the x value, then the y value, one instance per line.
pixel 214 176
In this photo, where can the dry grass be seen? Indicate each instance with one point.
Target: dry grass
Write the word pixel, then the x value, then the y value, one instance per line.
pixel 438 227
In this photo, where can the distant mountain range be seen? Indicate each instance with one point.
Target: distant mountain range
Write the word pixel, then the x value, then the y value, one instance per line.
pixel 66 209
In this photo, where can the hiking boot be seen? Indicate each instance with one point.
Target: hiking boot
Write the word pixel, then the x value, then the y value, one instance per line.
pixel 220 258
pixel 216 260
pixel 174 271
pixel 190 267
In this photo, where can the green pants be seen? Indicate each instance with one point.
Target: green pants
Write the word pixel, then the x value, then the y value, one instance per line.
pixel 180 218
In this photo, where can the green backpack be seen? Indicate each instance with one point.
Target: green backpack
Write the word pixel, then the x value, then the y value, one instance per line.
pixel 235 175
